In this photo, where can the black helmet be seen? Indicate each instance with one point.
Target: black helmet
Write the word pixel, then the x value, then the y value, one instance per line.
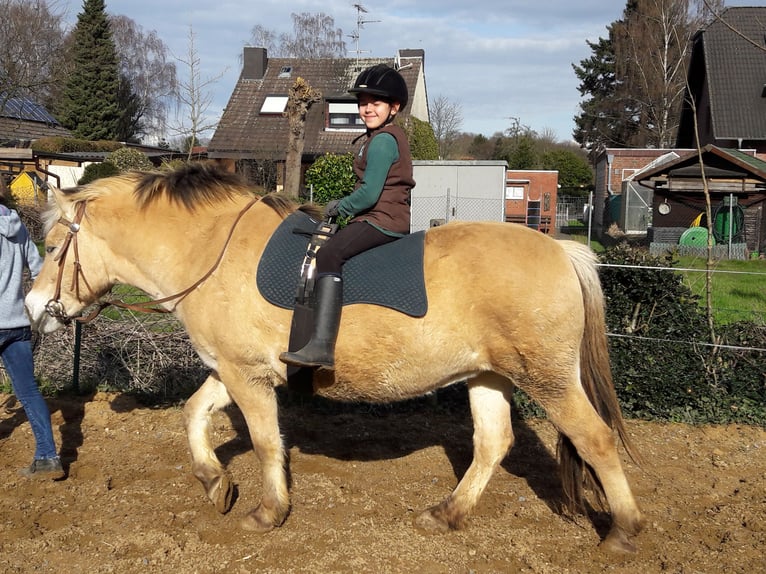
pixel 382 80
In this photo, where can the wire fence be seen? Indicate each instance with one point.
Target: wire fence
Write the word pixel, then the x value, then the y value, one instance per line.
pixel 149 353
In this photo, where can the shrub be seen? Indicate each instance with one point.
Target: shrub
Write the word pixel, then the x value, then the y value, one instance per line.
pixel 130 159
pixel 332 177
pixel 423 144
pixel 58 144
pixel 662 366
pixel 96 171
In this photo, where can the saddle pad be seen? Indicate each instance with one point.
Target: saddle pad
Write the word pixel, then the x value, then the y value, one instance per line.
pixel 390 275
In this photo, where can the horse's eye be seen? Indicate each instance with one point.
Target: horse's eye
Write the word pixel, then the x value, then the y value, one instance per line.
pixel 50 249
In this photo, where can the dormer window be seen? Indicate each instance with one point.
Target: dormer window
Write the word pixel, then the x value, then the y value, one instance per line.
pixel 344 115
pixel 274 105
pixel 285 72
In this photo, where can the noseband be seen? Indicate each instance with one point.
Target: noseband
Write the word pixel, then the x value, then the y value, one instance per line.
pixel 55 308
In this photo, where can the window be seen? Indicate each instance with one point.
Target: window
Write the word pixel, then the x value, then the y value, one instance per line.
pixel 274 105
pixel 285 72
pixel 344 116
pixel 514 192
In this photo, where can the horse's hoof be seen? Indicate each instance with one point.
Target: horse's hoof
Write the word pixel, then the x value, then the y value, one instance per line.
pixel 428 522
pixel 253 523
pixel 618 543
pixel 222 494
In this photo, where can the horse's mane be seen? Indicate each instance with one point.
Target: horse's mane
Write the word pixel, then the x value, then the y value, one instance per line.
pixel 190 185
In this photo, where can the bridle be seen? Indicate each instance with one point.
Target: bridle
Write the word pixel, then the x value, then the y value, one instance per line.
pixel 55 308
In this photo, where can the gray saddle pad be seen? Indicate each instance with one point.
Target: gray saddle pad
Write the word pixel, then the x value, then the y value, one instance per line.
pixel 390 275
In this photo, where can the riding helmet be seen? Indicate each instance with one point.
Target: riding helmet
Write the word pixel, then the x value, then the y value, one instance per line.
pixel 384 81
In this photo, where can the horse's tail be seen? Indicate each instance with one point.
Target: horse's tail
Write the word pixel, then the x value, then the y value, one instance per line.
pixel 595 376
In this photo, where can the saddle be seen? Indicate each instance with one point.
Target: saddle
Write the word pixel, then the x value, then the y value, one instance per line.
pixel 390 275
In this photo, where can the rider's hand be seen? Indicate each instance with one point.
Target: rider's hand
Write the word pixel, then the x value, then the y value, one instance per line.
pixel 331 209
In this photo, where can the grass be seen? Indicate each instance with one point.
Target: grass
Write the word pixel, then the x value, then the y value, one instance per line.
pixel 736 296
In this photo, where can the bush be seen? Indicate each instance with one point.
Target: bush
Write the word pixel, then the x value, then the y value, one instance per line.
pixel 58 144
pixel 332 177
pixel 653 318
pixel 130 159
pixel 96 171
pixel 423 144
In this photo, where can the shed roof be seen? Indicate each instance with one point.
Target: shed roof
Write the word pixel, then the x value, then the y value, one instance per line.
pixel 719 163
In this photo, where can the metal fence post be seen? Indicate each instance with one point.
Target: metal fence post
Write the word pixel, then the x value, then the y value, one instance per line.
pixel 76 361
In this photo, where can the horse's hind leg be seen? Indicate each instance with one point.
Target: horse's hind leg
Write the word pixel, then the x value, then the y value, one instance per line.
pixel 209 398
pixel 574 416
pixel 489 396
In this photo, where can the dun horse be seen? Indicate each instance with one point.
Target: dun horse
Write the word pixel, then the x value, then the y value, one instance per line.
pixel 507 306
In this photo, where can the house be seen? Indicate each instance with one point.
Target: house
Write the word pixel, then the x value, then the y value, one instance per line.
pixel 253 128
pixel 727 81
pixel 736 185
pixel 530 198
pixel 614 201
pixel 22 121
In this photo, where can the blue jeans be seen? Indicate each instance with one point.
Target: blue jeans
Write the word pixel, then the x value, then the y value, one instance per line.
pixel 16 352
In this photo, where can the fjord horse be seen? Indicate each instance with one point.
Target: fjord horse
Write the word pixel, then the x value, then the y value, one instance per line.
pixel 507 306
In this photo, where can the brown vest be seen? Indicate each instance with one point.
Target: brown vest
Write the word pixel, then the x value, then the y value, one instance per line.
pixel 392 210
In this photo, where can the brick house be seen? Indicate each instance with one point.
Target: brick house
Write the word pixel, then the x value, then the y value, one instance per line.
pixel 530 198
pixel 253 128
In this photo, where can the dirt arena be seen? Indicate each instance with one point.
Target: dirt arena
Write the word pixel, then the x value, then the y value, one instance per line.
pixel 130 503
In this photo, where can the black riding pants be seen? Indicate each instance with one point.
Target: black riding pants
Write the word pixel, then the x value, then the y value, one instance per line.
pixel 351 240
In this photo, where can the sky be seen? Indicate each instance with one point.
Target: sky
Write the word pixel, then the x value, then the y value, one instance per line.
pixel 503 62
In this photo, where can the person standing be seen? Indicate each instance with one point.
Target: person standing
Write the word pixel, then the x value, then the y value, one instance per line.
pixel 379 206
pixel 17 252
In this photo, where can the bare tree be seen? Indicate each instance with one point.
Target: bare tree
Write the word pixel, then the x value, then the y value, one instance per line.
pixel 300 99
pixel 446 121
pixel 652 47
pixel 145 65
pixel 314 36
pixel 31 47
pixel 194 98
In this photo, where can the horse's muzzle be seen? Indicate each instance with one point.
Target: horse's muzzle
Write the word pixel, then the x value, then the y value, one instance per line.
pixel 55 309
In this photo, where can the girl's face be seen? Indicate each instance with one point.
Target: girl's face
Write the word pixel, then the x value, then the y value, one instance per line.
pixel 374 111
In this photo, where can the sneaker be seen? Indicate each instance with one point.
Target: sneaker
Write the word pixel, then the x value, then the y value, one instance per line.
pixel 49 468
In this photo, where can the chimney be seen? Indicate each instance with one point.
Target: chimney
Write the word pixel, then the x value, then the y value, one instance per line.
pixel 255 62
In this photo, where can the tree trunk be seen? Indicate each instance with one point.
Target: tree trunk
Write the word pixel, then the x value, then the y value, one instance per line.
pixel 300 99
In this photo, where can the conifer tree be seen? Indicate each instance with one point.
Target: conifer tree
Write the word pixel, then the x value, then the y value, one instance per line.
pixel 90 102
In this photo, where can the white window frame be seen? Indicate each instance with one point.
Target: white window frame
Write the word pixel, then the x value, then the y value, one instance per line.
pixel 348 111
pixel 274 105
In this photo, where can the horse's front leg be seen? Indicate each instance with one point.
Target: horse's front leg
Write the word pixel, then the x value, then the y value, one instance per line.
pixel 209 398
pixel 257 400
pixel 489 396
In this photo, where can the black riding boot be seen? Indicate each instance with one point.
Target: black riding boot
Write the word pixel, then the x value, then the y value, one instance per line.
pixel 320 350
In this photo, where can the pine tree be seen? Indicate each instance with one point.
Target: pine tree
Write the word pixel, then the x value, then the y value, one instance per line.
pixel 90 102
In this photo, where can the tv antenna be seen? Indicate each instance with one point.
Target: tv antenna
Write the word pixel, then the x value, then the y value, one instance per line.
pixel 360 22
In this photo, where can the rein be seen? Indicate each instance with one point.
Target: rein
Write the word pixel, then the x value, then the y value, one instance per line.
pixel 56 309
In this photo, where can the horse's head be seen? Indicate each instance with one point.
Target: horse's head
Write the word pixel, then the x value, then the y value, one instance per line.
pixel 73 274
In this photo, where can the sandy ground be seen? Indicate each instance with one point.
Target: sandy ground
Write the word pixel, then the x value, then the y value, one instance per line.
pixel 130 504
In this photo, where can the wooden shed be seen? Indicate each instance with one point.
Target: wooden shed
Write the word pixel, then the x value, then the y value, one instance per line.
pixel 736 185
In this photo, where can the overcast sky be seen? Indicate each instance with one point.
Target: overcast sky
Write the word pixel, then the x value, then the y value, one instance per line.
pixel 502 61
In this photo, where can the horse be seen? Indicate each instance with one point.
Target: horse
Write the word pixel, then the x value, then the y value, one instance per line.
pixel 508 307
